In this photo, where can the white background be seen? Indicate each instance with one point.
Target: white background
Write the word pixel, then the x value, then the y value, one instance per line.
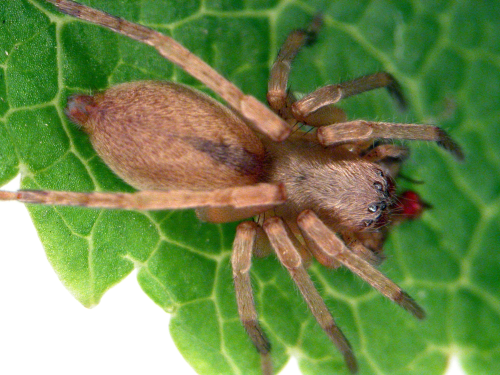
pixel 43 329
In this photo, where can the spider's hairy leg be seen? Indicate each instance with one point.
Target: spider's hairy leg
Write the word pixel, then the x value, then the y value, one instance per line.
pixel 384 151
pixel 278 79
pixel 329 114
pixel 241 260
pixel 285 245
pixel 361 130
pixel 262 246
pixel 256 113
pixel 315 231
pixel 372 257
pixel 230 214
pixel 242 197
pixel 332 94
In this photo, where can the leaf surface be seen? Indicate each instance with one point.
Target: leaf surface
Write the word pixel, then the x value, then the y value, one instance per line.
pixel 445 54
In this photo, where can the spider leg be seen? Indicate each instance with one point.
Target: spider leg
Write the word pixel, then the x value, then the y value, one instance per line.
pixel 241 259
pixel 262 246
pixel 384 151
pixel 330 246
pixel 332 94
pixel 285 245
pixel 277 94
pixel 360 130
pixel 370 256
pixel 254 197
pixel 327 115
pixel 256 113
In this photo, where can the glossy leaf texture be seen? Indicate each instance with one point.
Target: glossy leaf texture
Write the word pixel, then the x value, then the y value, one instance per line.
pixel 446 55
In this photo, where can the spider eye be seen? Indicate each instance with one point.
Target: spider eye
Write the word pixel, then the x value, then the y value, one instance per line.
pixel 383 206
pixel 373 208
pixel 380 173
pixel 378 186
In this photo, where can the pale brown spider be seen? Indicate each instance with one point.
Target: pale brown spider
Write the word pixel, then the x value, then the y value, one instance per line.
pixel 325 194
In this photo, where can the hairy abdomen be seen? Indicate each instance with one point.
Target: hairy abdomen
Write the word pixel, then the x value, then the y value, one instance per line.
pixel 162 135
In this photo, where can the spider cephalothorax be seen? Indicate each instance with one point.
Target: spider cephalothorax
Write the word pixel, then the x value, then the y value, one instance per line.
pixel 345 190
pixel 327 194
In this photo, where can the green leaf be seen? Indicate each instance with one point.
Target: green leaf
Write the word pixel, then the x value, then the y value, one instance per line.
pixel 446 54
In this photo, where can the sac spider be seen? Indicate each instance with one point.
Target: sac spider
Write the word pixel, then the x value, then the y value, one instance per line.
pixel 327 194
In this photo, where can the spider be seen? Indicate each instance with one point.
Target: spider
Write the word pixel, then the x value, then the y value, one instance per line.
pixel 327 194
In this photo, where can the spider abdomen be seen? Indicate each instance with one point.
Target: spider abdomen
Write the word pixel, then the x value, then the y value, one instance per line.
pixel 163 135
